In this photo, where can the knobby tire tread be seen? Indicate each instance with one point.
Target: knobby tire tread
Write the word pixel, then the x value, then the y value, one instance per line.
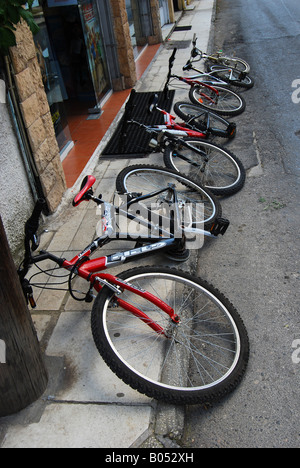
pixel 148 388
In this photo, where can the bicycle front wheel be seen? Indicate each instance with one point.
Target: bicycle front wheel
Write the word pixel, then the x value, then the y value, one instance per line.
pixel 199 359
pixel 216 168
pixel 204 207
pixel 226 102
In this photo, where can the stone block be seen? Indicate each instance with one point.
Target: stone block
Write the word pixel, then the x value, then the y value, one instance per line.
pixel 24 84
pixel 30 110
pixel 37 134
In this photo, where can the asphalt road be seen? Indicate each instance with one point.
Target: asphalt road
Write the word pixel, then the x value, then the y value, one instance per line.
pixel 256 264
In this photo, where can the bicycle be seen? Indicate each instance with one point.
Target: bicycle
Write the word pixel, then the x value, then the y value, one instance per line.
pixel 197 123
pixel 223 70
pixel 218 58
pixel 167 334
pixel 215 96
pixel 184 151
pixel 209 123
pixel 206 121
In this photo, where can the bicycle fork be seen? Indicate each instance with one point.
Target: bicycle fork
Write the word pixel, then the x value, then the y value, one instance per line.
pixel 117 285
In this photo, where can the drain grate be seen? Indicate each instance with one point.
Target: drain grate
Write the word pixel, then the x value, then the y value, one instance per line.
pixel 137 141
pixel 182 28
pixel 178 44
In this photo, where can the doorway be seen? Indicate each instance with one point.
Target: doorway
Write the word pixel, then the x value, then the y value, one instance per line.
pixel 164 12
pixel 72 61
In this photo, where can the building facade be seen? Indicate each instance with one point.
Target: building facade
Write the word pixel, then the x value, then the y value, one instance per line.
pixel 85 50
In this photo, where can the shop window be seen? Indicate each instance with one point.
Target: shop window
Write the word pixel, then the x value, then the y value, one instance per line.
pixel 72 60
pixel 52 79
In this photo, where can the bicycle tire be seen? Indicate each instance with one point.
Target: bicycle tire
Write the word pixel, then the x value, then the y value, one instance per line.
pixel 204 120
pixel 203 357
pixel 144 179
pixel 245 81
pixel 218 169
pixel 234 62
pixel 226 103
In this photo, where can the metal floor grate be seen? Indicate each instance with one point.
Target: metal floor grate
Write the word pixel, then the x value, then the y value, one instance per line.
pixel 178 44
pixel 137 141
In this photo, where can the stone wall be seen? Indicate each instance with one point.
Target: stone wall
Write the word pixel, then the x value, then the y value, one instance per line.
pixel 37 118
pixel 123 40
pixel 156 38
pixel 16 200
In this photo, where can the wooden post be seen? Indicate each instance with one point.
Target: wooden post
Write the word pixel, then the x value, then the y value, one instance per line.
pixel 23 376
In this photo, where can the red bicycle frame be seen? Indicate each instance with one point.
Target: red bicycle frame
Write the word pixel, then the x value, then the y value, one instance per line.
pixel 88 269
pixel 170 124
pixel 192 83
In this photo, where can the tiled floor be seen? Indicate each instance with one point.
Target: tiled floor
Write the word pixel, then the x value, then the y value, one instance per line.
pixel 87 134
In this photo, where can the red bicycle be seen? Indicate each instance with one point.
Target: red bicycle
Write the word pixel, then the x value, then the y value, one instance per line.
pixel 215 97
pixel 165 333
pixel 198 123
pixel 187 151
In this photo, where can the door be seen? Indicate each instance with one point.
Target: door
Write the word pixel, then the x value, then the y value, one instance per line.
pixel 95 47
pixel 164 12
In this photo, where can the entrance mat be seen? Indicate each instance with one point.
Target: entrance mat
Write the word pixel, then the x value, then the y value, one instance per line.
pixel 135 143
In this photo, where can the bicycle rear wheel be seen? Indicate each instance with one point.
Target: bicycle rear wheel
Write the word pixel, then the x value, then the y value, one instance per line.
pixel 232 76
pixel 199 359
pixel 227 102
pixel 205 208
pixel 216 168
pixel 204 120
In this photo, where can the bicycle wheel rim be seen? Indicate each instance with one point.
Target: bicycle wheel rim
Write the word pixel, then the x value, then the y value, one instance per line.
pixel 202 119
pixel 195 363
pixel 232 76
pixel 226 103
pixel 146 179
pixel 236 63
pixel 217 169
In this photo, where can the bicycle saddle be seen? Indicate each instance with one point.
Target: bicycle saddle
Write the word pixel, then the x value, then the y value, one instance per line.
pixel 85 190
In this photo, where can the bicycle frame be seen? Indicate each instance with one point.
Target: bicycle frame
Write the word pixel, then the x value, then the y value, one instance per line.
pixel 172 135
pixel 170 124
pixel 91 270
pixel 197 55
pixel 209 78
pixel 191 81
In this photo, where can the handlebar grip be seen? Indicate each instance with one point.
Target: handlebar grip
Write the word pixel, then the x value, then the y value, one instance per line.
pixel 172 58
pixel 187 66
pixel 32 224
pixel 129 105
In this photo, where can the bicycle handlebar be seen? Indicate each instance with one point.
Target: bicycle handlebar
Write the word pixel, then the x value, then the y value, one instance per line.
pixel 32 225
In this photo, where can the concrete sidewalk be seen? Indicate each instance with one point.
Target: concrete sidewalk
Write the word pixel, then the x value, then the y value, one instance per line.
pixel 85 404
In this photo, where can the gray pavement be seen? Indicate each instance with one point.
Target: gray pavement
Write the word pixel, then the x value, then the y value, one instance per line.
pixel 85 404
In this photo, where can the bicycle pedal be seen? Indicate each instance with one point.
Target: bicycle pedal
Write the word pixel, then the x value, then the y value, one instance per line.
pixel 231 129
pixel 219 227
